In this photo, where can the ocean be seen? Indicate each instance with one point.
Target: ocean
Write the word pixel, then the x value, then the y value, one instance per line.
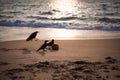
pixel 60 19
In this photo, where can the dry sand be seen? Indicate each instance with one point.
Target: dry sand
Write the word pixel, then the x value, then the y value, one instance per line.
pixel 75 60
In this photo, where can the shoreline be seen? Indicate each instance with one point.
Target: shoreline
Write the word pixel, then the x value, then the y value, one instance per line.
pixel 65 39
pixel 21 33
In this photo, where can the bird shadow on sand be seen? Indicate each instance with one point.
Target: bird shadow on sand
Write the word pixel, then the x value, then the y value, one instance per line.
pixel 42 53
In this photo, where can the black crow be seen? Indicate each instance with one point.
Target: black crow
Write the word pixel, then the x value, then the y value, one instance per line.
pixel 50 43
pixel 43 46
pixel 32 36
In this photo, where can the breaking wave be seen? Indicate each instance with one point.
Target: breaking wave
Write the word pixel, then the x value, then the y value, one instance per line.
pixel 19 23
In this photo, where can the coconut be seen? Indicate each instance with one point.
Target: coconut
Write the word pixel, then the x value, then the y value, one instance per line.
pixel 55 47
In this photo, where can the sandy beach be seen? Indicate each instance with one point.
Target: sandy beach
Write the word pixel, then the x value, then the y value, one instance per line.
pixel 86 33
pixel 75 60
